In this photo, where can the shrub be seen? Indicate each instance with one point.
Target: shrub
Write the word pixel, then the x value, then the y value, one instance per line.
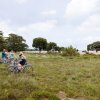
pixel 70 51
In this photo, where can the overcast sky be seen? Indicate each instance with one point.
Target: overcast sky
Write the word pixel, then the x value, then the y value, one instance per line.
pixel 66 22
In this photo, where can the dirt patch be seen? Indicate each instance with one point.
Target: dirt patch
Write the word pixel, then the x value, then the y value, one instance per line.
pixel 63 96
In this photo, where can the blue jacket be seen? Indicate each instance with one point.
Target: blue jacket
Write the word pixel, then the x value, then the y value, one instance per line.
pixel 3 55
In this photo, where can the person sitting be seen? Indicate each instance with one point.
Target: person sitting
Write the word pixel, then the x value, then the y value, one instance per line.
pixel 22 61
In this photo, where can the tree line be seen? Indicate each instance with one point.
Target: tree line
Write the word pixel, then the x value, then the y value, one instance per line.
pixel 42 44
pixel 12 42
pixel 18 43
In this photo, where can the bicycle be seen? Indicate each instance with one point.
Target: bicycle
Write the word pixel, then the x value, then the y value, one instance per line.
pixel 13 67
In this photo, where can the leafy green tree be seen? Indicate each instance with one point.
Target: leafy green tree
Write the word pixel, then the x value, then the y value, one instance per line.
pixel 1 33
pixel 51 46
pixel 16 42
pixel 2 41
pixel 57 48
pixel 90 47
pixel 40 43
pixel 94 46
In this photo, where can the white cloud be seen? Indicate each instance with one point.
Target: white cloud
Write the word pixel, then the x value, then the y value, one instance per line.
pixel 39 26
pixel 84 15
pixel 88 31
pixel 21 1
pixel 91 25
pixel 50 12
pixel 5 27
pixel 80 8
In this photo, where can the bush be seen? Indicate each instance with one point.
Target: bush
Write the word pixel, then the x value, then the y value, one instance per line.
pixel 70 51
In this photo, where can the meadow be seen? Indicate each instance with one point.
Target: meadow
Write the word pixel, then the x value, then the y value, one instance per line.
pixel 53 77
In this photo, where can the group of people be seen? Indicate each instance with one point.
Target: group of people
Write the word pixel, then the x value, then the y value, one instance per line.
pixel 9 56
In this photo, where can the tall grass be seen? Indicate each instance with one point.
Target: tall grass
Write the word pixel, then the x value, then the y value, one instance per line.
pixel 75 76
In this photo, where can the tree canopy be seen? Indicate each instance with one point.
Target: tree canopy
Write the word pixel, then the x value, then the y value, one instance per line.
pixel 40 43
pixel 12 42
pixel 94 46
pixel 16 42
pixel 2 41
pixel 51 45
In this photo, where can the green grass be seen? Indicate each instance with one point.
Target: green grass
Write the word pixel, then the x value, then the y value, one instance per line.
pixel 50 74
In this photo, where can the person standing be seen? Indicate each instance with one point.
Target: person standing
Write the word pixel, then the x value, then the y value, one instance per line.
pixel 4 56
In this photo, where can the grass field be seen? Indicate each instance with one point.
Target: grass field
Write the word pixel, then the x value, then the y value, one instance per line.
pixel 76 77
